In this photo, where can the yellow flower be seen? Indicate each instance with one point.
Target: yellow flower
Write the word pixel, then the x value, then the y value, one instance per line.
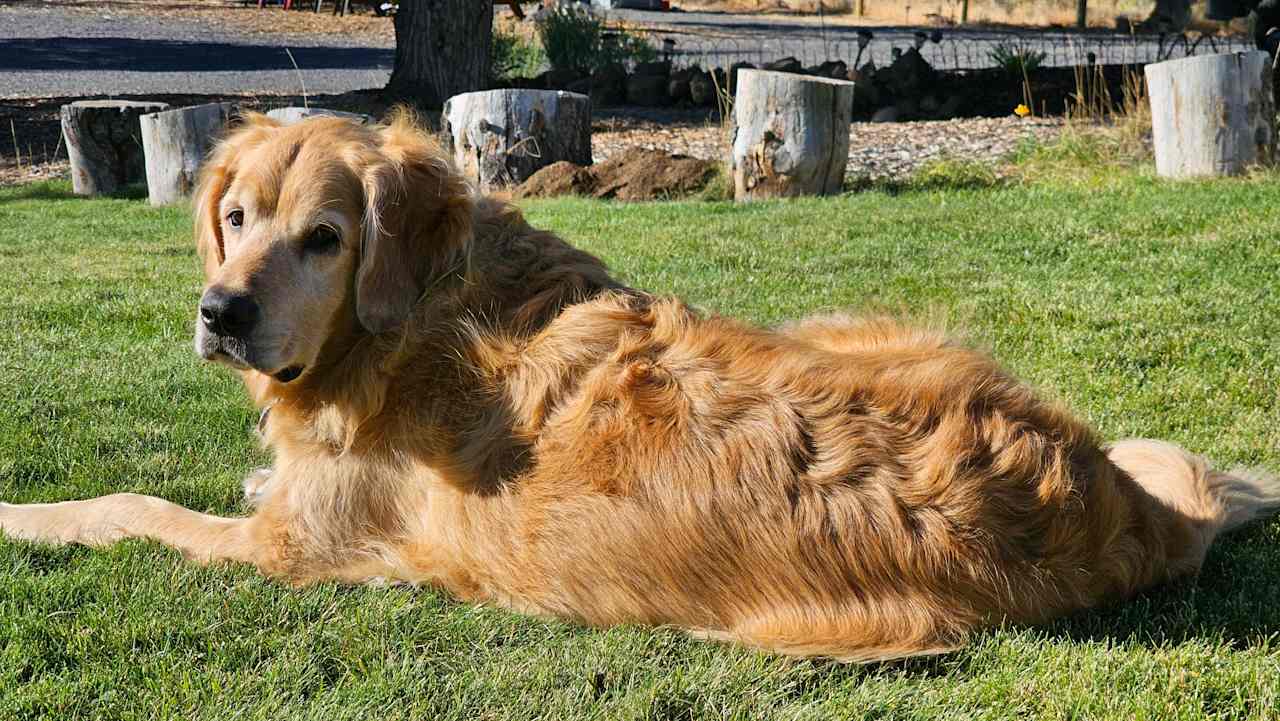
pixel 1022 111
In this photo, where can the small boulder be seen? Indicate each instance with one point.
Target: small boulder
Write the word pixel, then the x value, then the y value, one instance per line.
pixel 785 65
pixel 702 90
pixel 834 69
pixel 658 68
pixel 609 86
pixel 647 90
pixel 678 87
pixel 887 114
pixel 910 74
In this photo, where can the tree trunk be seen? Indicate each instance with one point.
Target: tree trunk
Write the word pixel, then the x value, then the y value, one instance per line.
pixel 442 49
pixel 1082 14
pixel 176 143
pixel 1212 114
pixel 790 135
pixel 501 137
pixel 104 143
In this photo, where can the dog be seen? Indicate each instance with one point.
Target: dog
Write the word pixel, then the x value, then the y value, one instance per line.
pixel 455 398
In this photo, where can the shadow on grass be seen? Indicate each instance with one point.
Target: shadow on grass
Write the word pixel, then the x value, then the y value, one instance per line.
pixel 937 175
pixel 61 190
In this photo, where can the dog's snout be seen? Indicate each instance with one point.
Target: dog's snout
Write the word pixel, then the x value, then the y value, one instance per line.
pixel 227 313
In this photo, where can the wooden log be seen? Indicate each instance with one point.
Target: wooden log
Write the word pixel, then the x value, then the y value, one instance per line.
pixel 501 137
pixel 291 115
pixel 176 143
pixel 790 135
pixel 104 143
pixel 1212 114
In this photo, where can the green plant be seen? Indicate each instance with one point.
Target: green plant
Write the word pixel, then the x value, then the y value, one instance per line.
pixel 577 39
pixel 1016 59
pixel 513 56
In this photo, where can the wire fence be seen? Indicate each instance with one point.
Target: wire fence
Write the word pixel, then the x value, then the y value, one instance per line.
pixel 943 50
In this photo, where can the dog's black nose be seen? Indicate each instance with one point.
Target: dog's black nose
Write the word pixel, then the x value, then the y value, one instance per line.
pixel 226 313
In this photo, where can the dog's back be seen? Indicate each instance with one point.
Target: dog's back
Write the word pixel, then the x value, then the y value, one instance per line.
pixel 858 489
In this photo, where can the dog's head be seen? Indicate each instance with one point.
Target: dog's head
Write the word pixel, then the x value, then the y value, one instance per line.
pixel 320 228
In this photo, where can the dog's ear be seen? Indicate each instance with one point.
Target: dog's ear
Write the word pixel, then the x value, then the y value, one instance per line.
pixel 215 177
pixel 417 225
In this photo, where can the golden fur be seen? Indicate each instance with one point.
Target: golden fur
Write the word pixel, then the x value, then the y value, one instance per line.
pixel 484 409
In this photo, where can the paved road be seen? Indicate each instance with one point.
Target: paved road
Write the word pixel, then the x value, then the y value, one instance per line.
pixel 52 52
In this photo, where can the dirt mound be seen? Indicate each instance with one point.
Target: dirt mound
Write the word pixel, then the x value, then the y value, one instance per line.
pixel 632 175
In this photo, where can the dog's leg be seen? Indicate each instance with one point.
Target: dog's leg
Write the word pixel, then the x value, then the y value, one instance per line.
pixel 105 520
pixel 255 486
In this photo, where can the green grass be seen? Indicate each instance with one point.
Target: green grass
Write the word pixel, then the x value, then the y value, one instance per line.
pixel 1150 308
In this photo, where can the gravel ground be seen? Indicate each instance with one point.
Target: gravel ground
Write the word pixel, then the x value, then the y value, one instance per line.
pixel 51 50
pixel 877 151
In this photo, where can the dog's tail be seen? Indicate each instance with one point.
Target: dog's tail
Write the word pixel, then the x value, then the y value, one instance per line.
pixel 1212 501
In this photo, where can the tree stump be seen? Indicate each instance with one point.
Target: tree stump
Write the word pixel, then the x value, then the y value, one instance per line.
pixel 1212 114
pixel 291 115
pixel 501 137
pixel 790 135
pixel 176 143
pixel 104 143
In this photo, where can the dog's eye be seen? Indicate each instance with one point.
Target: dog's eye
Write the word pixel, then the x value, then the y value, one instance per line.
pixel 324 239
pixel 235 218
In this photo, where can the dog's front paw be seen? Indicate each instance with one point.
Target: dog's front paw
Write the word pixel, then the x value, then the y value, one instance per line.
pixel 255 485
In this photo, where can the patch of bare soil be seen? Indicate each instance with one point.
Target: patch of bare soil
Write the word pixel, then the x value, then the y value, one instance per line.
pixel 631 176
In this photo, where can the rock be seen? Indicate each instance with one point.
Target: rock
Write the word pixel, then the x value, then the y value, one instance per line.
pixel 887 114
pixel 910 74
pixel 653 69
pixel 908 108
pixel 559 79
pixel 866 97
pixel 678 86
pixel 784 65
pixel 647 90
pixel 609 86
pixel 702 90
pixel 949 107
pixel 534 83
pixel 834 69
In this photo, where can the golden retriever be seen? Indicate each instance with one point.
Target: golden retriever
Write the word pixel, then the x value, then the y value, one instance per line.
pixel 458 399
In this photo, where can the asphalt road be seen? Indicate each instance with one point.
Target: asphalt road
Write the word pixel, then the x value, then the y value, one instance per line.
pixel 47 52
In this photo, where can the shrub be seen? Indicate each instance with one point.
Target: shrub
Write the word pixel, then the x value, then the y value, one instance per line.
pixel 577 39
pixel 512 56
pixel 1015 59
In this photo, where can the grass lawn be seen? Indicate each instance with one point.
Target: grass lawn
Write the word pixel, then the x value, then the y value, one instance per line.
pixel 1153 309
